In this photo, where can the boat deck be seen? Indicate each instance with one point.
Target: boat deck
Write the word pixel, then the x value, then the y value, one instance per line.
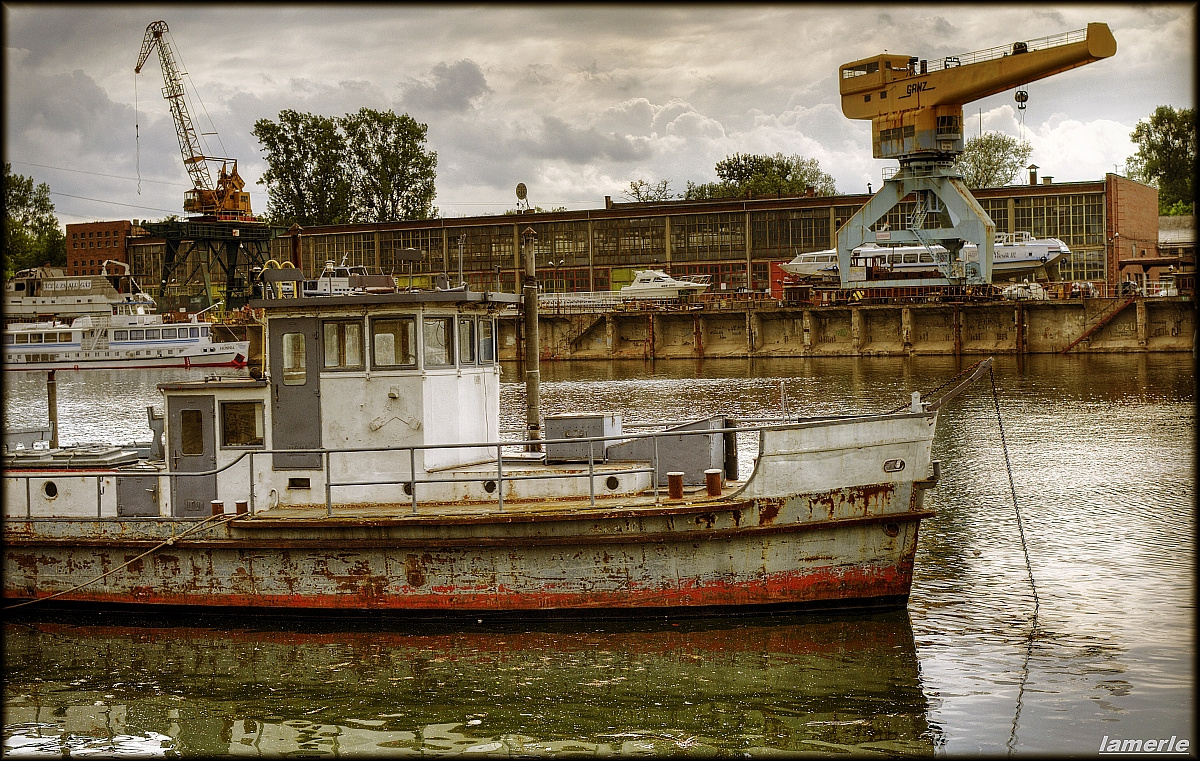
pixel 695 499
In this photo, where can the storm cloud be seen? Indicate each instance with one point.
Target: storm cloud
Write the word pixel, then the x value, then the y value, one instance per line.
pixel 575 102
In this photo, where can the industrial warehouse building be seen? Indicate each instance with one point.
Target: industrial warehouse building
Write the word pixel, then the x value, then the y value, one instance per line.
pixel 1109 226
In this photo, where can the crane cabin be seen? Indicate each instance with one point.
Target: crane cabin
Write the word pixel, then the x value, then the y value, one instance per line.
pixel 916 105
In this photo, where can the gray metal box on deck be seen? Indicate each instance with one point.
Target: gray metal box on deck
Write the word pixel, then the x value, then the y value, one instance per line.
pixel 691 452
pixel 583 425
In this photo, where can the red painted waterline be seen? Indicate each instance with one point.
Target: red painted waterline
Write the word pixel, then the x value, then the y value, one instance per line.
pixel 841 583
pixel 237 361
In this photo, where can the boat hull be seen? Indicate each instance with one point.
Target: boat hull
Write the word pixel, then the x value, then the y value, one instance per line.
pixel 633 564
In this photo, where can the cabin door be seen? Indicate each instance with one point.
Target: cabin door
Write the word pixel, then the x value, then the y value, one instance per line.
pixel 192 447
pixel 295 391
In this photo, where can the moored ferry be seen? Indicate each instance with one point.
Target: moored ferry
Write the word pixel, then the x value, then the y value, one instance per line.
pixel 131 336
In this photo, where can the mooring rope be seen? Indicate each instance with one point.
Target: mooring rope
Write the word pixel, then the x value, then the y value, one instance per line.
pixel 931 394
pixel 1012 737
pixel 206 523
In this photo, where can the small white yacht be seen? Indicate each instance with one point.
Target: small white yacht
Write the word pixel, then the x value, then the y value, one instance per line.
pixel 343 280
pixel 656 284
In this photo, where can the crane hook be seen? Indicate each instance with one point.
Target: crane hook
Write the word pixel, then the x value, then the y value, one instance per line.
pixel 1021 97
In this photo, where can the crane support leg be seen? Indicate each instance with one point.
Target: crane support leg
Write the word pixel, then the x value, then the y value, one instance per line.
pixel 927 182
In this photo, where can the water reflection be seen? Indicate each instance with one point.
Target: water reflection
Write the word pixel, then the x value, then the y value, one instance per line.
pixel 817 683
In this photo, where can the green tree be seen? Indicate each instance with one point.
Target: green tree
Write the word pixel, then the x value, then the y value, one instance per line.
pixel 306 175
pixel 641 191
pixel 391 171
pixel 759 175
pixel 992 159
pixel 32 236
pixel 1166 156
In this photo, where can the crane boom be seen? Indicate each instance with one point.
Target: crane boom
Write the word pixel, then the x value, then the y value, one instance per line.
pixel 915 106
pixel 916 113
pixel 225 198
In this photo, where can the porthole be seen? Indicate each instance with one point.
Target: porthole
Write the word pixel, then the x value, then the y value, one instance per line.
pixel 612 482
pixel 50 489
pixel 408 488
pixel 891 529
pixel 893 466
pixel 489 486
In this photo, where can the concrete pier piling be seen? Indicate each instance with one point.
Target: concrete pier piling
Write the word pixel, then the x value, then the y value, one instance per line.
pixel 992 327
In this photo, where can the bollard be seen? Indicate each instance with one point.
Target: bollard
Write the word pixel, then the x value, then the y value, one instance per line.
pixel 218 507
pixel 712 482
pixel 243 506
pixel 675 485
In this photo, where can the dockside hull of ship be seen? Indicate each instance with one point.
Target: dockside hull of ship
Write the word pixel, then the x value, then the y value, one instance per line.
pixel 850 547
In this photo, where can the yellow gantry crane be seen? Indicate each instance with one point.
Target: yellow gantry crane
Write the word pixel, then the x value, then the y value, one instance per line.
pixel 916 112
pixel 224 199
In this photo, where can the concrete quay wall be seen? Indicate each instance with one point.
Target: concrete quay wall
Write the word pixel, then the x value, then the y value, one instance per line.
pixel 1111 325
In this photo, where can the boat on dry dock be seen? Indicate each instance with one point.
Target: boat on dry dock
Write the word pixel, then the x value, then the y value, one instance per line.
pixel 365 471
pixel 1013 255
pixel 42 294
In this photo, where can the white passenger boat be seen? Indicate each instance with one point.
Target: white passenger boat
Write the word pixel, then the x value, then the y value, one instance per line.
pixel 1013 254
pixel 130 336
pixel 656 284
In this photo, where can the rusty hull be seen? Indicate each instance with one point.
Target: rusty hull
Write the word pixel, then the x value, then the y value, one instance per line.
pixel 850 546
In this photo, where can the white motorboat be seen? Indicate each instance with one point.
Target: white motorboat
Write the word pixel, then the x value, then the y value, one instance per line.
pixel 656 284
pixel 131 336
pixel 1013 254
pixel 343 280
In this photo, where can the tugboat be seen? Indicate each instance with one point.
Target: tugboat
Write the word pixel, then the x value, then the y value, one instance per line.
pixel 364 472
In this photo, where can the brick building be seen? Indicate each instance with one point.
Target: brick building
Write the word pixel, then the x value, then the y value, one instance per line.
pixel 91 243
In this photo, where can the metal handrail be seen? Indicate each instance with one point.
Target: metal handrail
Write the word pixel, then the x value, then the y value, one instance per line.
pixel 411 479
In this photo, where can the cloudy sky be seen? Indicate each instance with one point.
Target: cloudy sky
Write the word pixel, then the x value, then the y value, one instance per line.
pixel 575 101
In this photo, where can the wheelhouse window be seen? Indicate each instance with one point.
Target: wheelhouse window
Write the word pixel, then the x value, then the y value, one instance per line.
pixel 295 359
pixel 487 341
pixel 466 341
pixel 394 342
pixel 438 339
pixel 241 424
pixel 343 345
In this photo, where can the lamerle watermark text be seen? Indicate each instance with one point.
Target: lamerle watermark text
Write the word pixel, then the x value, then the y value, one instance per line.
pixel 1153 745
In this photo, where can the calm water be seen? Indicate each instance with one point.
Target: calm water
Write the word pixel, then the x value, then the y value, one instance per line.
pixel 1102 452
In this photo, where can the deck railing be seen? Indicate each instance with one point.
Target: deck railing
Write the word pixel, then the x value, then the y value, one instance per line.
pixel 411 485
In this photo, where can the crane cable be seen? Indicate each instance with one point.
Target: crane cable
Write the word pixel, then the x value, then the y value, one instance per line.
pixel 137 136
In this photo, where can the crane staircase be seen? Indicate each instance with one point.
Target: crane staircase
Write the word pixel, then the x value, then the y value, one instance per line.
pixel 1099 321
